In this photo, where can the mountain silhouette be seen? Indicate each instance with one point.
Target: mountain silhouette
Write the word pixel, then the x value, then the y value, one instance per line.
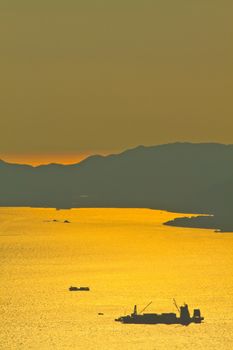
pixel 181 177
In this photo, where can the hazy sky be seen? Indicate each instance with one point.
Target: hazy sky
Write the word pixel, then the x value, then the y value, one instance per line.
pixel 87 76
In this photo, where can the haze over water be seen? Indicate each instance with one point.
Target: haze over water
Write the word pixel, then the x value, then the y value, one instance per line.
pixel 126 257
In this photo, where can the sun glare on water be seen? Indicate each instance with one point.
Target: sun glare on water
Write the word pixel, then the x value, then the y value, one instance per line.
pixel 126 257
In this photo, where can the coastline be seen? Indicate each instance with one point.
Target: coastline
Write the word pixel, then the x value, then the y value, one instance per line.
pixel 217 223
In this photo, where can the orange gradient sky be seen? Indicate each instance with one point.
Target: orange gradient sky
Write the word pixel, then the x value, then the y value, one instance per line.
pixel 38 159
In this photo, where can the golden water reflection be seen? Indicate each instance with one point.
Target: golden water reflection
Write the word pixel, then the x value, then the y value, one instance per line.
pixel 127 257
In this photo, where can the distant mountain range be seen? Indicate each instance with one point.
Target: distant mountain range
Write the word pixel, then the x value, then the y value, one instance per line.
pixel 181 177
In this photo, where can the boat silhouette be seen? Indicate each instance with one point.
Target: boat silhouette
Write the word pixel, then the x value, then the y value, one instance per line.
pixel 79 289
pixel 183 318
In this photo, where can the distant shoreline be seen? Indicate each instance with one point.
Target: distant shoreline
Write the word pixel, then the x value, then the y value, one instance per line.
pixel 195 220
pixel 180 177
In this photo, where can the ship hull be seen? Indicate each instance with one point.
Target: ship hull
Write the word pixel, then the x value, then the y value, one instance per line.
pixel 157 320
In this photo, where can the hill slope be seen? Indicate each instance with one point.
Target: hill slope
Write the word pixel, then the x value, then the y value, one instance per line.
pixel 181 177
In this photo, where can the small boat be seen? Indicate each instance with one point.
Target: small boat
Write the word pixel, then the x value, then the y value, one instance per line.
pixel 79 289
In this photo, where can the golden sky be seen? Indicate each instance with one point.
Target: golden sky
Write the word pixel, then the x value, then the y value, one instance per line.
pixel 88 76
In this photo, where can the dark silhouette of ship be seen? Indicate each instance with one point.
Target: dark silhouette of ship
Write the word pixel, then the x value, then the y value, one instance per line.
pixel 184 317
pixel 79 289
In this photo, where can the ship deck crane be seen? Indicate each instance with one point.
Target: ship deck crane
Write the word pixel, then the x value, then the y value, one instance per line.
pixel 146 307
pixel 175 303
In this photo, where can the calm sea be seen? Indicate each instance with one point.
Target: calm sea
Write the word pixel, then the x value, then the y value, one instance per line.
pixel 126 257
